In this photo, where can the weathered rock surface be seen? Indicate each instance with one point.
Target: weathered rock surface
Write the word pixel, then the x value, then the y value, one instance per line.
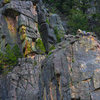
pixel 19 24
pixel 21 21
pixel 71 72
pixel 22 82
pixel 48 24
pixel 47 34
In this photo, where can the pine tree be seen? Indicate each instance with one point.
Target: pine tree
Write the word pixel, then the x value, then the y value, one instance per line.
pixel 9 56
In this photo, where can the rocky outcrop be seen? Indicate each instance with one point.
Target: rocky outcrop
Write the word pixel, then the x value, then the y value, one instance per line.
pixel 22 82
pixel 48 23
pixel 70 72
pixel 19 25
pixel 47 34
pixel 21 22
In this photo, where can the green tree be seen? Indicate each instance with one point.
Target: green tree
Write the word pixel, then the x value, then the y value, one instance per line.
pixel 67 5
pixel 83 5
pixel 9 56
pixel 78 20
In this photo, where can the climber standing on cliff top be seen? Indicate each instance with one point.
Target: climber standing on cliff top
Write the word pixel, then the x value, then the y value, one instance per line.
pixel 84 33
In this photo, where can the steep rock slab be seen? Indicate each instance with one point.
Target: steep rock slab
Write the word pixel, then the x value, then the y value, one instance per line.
pixel 72 71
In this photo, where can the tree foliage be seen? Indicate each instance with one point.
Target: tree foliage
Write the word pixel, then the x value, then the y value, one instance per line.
pixel 65 6
pixel 9 56
pixel 75 11
pixel 78 20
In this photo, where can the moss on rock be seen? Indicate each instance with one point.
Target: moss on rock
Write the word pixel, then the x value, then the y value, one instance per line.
pixel 6 1
pixel 40 46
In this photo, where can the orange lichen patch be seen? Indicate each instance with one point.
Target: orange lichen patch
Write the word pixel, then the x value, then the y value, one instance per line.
pixel 27 48
pixel 33 43
pixel 27 44
pixel 22 29
pixel 92 38
pixel 32 55
pixel 97 70
pixel 33 46
pixel 89 43
pixel 11 22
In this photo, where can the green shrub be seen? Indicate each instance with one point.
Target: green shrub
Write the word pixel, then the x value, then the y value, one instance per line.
pixel 47 21
pixel 9 57
pixel 52 47
pixel 40 46
pixel 59 34
pixel 35 63
pixel 49 53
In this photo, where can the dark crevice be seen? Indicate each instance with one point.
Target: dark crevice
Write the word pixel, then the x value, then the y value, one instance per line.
pixel 3 37
pixel 76 98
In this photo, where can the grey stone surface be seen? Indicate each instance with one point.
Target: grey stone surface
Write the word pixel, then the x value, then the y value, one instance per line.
pixel 73 70
pixel 55 21
pixel 13 16
pixel 22 82
pixel 69 72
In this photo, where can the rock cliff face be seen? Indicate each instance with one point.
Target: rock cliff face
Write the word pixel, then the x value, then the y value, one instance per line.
pixel 71 71
pixel 21 21
pixel 18 24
